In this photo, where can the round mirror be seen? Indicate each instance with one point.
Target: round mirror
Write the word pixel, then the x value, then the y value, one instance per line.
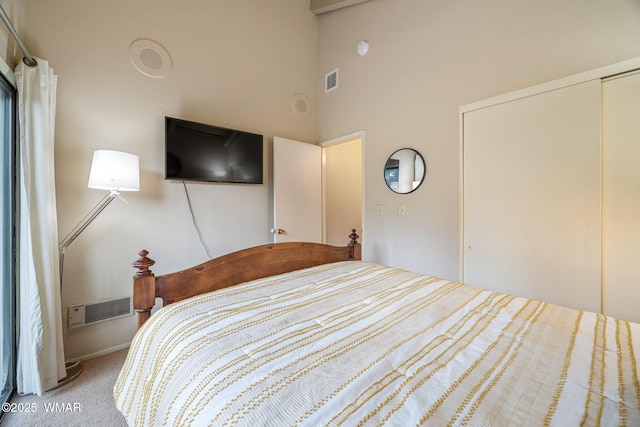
pixel 404 171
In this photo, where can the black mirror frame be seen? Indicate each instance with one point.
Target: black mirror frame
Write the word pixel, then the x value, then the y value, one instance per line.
pixel 424 164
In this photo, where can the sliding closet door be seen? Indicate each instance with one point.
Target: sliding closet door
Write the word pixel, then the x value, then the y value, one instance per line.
pixel 531 196
pixel 621 196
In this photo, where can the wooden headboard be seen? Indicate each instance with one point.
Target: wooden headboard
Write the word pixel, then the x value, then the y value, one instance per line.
pixel 231 269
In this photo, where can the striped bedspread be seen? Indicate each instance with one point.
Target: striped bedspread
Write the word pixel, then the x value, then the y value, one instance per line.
pixel 359 344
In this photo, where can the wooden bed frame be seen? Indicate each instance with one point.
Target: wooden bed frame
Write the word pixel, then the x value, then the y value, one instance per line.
pixel 231 269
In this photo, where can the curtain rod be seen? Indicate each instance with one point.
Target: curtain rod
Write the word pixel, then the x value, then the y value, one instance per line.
pixel 28 59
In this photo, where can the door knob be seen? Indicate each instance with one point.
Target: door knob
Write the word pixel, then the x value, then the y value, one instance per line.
pixel 280 231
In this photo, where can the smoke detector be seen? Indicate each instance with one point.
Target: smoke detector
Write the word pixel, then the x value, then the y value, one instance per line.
pixel 362 48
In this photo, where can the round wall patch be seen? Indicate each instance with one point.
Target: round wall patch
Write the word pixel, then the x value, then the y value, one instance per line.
pixel 150 58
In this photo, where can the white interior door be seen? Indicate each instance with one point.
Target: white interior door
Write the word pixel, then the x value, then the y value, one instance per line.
pixel 297 188
pixel 531 197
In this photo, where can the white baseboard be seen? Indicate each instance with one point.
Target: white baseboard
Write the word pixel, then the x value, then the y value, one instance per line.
pixel 99 353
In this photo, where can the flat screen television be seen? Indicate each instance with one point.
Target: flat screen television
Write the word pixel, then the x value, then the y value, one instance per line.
pixel 201 152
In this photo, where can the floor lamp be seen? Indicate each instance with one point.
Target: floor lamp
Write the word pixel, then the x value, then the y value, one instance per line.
pixel 114 171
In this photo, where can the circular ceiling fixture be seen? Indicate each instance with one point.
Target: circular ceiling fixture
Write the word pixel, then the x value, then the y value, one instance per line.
pixel 150 58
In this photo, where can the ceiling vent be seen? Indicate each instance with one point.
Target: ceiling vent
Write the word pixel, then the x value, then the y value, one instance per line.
pixel 331 81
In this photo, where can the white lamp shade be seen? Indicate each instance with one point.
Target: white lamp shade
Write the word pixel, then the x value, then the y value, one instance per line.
pixel 114 170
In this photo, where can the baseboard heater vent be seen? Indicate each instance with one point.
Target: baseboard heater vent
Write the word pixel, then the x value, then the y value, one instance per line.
pixel 88 314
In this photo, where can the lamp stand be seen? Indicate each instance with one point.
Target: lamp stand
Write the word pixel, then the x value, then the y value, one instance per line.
pixel 93 214
pixel 74 369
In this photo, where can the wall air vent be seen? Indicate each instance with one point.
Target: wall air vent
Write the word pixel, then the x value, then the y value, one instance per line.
pixel 331 81
pixel 88 314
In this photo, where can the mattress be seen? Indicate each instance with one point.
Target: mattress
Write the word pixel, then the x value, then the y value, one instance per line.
pixel 360 344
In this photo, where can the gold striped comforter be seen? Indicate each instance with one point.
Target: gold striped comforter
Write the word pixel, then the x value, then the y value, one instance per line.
pixel 354 343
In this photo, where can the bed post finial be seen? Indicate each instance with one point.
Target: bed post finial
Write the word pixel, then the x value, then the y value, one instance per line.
pixel 143 263
pixel 144 287
pixel 354 245
pixel 354 238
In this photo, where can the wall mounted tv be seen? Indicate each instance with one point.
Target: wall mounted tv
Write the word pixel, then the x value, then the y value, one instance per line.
pixel 201 152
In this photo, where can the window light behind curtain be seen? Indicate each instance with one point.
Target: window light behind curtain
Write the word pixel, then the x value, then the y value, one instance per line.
pixel 7 120
pixel 40 361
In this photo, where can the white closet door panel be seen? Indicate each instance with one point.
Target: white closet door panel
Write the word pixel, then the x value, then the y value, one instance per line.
pixel 621 197
pixel 531 213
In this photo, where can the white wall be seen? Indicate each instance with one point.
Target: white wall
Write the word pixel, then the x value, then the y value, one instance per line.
pixel 426 59
pixel 235 63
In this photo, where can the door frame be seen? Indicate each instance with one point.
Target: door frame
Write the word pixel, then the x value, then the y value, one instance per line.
pixel 335 141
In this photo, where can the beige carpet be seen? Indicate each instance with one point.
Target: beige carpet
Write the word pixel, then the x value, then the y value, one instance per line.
pixel 86 401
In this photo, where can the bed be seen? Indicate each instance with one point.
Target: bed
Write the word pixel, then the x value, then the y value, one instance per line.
pixel 308 334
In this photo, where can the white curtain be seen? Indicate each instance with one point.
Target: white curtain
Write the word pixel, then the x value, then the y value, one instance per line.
pixel 40 361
